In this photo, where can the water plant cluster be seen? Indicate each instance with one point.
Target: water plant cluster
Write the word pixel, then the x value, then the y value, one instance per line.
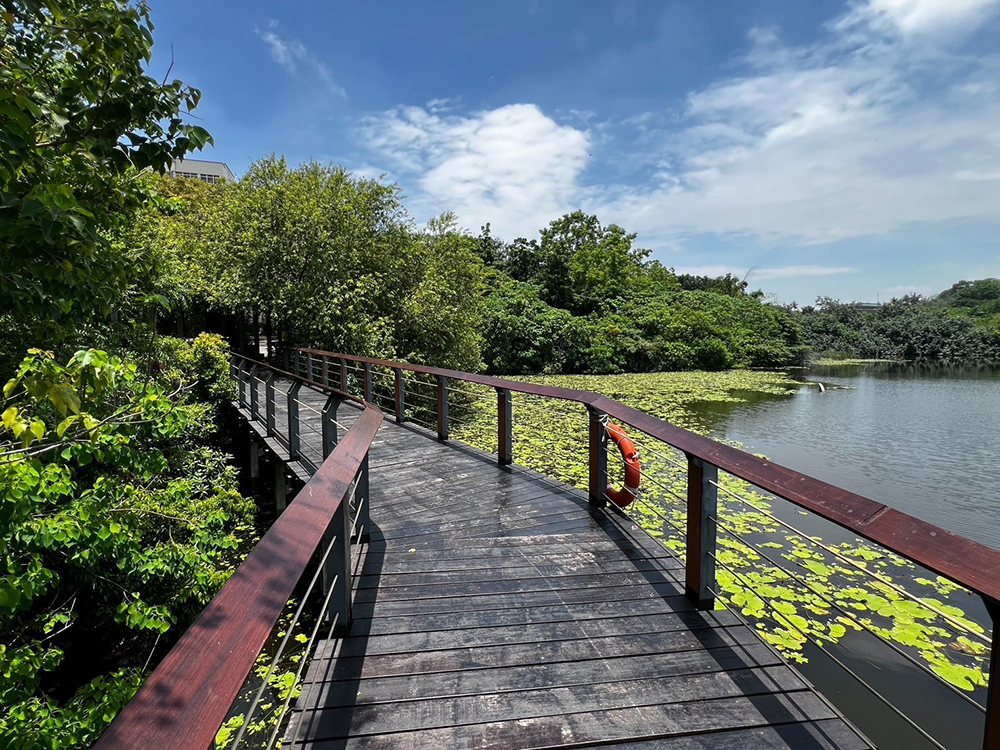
pixel 794 587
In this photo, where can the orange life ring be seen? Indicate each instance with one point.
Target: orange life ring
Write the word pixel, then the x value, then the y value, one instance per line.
pixel 624 497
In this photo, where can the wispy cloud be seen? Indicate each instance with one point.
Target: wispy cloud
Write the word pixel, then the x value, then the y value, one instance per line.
pixel 755 273
pixel 291 54
pixel 918 17
pixel 883 123
pixel 858 135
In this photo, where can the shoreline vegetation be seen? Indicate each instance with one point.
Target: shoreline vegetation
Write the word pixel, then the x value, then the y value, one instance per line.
pixel 829 361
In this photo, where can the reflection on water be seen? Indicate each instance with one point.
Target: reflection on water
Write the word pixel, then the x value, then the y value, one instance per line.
pixel 920 438
pixel 923 439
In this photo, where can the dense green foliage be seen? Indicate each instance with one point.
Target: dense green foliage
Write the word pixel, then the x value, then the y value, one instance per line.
pixel 583 299
pixel 116 524
pixel 119 512
pixel 910 328
pixel 978 300
pixel 331 259
pixel 79 117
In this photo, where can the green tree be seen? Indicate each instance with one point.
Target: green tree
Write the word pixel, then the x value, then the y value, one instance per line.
pixel 79 118
pixel 117 526
pixel 584 265
pixel 331 259
pixel 524 335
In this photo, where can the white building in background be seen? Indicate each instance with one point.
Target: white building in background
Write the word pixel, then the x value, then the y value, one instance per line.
pixel 198 169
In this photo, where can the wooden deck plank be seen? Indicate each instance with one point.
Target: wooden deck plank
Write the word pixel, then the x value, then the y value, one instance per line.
pixel 614 627
pixel 589 727
pixel 483 706
pixel 495 607
pixel 538 665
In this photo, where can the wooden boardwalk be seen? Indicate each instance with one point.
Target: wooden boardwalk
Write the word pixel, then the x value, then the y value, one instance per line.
pixel 496 608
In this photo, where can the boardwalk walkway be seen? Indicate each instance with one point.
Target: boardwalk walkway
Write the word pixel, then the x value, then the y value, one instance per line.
pixel 496 608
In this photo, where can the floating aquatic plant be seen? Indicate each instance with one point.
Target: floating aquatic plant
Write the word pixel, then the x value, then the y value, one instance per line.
pixel 794 587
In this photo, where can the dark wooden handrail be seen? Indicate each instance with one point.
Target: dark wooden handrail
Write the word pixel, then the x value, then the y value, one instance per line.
pixel 973 565
pixel 186 699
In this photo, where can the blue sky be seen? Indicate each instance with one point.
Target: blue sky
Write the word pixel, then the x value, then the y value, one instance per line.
pixel 827 148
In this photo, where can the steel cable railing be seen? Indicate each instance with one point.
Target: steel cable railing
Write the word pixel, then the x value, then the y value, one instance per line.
pixel 787 621
pixel 187 698
pixel 857 566
pixel 859 623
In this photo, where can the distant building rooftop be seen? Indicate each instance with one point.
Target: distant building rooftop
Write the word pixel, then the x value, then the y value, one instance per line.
pixel 867 306
pixel 198 169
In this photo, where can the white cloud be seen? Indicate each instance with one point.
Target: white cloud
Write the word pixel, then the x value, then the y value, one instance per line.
pixel 920 17
pixel 285 52
pixel 291 53
pixel 512 166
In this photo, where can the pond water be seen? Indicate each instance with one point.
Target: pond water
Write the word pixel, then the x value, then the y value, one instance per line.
pixel 923 439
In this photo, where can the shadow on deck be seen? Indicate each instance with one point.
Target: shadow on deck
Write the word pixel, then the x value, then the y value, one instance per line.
pixel 494 607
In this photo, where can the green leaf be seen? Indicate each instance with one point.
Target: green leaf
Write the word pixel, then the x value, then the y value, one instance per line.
pixel 9 415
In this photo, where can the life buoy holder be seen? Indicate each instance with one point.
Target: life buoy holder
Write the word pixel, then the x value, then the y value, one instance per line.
pixel 623 497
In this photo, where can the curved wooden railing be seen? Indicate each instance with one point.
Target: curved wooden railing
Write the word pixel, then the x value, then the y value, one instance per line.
pixel 188 696
pixel 968 563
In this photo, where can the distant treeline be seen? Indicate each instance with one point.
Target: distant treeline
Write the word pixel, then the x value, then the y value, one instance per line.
pixel 314 256
pixel 583 299
pixel 961 323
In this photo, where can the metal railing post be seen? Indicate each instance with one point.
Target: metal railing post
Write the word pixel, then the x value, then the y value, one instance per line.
pixel 442 407
pixel 337 571
pixel 702 502
pixel 298 363
pixel 329 421
pixel 505 431
pixel 254 397
pixel 368 382
pixel 991 737
pixel 343 375
pixel 362 503
pixel 326 370
pixel 598 455
pixel 269 405
pixel 400 395
pixel 293 421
